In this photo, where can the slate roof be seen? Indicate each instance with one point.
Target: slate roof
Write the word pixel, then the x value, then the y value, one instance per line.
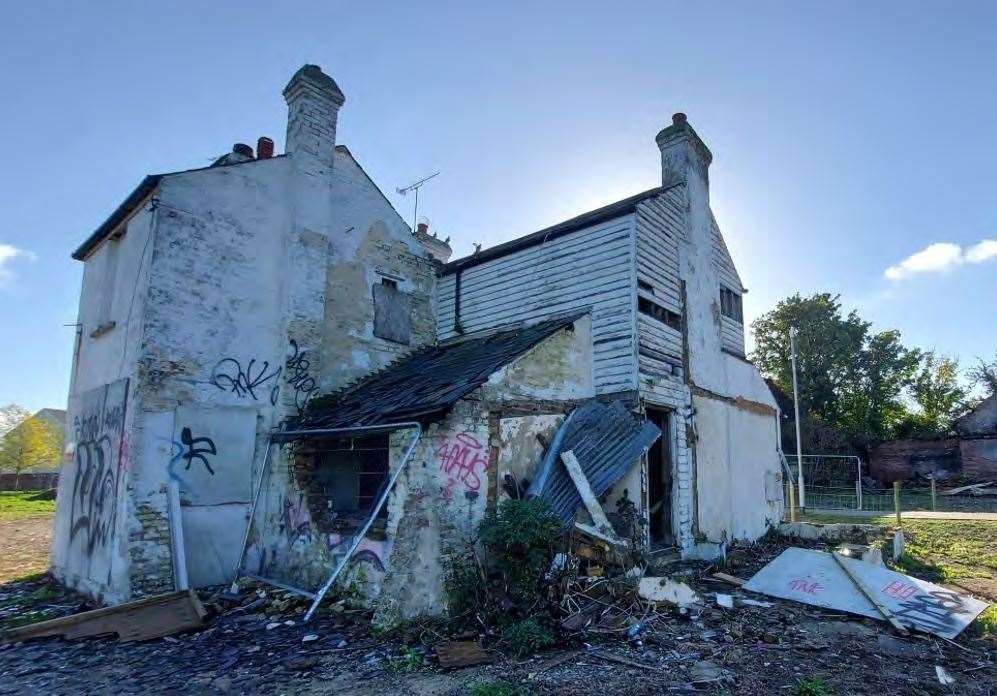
pixel 427 383
pixel 605 439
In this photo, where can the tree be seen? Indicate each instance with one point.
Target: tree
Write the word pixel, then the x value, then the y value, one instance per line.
pixel 939 395
pixel 33 443
pixel 826 348
pixel 850 380
pixel 984 374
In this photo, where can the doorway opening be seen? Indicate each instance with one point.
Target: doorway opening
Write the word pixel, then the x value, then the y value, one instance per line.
pixel 659 482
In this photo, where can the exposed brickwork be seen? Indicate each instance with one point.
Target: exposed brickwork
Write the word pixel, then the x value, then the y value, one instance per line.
pixel 149 548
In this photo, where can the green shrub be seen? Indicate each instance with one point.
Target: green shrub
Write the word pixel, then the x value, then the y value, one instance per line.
pixel 520 539
pixel 526 637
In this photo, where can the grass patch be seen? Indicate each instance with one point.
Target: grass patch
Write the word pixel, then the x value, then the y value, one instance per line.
pixel 497 688
pixel 814 686
pixel 15 505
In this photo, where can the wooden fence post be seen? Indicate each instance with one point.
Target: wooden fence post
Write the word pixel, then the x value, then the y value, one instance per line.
pixel 896 500
pixel 934 500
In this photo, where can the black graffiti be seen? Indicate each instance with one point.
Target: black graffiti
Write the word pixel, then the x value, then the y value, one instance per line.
pixel 89 426
pixel 299 377
pixel 229 375
pixel 93 507
pixel 193 452
pixel 934 610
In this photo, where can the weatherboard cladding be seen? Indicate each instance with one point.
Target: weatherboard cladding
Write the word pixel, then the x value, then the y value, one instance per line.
pixel 427 383
pixel 587 270
pixel 605 439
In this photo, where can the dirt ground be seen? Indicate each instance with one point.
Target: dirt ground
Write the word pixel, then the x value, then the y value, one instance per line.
pixel 24 546
pixel 256 647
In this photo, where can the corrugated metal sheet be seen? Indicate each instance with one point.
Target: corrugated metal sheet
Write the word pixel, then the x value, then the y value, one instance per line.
pixel 428 382
pixel 606 439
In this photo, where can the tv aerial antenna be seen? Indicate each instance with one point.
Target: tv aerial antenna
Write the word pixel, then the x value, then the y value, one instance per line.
pixel 415 187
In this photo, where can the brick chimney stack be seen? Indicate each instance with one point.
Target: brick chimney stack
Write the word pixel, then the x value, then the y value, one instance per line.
pixel 313 101
pixel 684 156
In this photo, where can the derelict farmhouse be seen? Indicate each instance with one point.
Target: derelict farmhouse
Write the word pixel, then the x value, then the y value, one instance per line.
pixel 265 348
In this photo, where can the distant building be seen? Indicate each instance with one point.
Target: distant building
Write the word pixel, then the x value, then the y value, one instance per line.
pixel 218 303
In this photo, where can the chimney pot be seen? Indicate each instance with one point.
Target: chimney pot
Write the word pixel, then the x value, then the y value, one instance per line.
pixel 679 119
pixel 243 149
pixel 423 228
pixel 264 148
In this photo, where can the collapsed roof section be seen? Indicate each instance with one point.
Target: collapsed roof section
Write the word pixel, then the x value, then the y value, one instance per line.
pixel 605 439
pixel 427 383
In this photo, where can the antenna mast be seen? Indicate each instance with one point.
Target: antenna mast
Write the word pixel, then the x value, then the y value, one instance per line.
pixel 415 187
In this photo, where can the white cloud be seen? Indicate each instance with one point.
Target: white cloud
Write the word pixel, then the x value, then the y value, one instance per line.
pixel 940 257
pixel 7 254
pixel 985 250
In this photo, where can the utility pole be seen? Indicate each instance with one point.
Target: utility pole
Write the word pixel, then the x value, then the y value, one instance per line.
pixel 793 333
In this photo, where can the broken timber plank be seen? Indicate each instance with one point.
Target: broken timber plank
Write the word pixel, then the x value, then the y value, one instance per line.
pixel 729 578
pixel 882 608
pixel 597 534
pixel 962 489
pixel 144 619
pixel 599 519
pixel 463 653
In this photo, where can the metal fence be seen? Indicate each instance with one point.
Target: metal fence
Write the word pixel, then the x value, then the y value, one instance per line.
pixel 830 481
pixel 835 482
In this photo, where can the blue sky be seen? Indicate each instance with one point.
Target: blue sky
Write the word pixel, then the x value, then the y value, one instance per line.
pixel 847 136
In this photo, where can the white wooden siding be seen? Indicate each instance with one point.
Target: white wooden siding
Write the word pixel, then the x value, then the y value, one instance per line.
pixel 591 269
pixel 731 331
pixel 660 229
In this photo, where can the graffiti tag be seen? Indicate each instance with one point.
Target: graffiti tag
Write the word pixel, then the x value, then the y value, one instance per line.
pixel 229 375
pixel 299 377
pixel 461 458
pixel 803 585
pixel 932 611
pixel 190 451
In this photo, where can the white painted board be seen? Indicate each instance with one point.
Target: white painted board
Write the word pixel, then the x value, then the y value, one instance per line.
pixel 813 577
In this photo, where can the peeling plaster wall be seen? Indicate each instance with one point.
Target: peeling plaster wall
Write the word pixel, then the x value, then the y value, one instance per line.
pixel 559 368
pixel 369 241
pixel 91 529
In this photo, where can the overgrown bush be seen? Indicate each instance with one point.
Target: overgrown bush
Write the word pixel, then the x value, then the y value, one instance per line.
pixel 528 636
pixel 508 580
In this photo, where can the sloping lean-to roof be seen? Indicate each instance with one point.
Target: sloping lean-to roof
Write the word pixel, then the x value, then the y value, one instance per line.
pixel 427 383
pixel 593 217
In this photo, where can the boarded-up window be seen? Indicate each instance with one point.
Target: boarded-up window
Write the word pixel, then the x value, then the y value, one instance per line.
pixel 392 312
pixel 730 305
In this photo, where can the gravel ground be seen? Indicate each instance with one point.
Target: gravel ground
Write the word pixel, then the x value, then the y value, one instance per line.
pixel 744 650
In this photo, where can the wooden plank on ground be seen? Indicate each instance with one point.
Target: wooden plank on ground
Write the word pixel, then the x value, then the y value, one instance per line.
pixel 462 653
pixel 729 578
pixel 144 619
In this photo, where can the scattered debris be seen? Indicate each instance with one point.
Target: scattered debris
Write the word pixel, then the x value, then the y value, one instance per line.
pixel 820 579
pixel 944 678
pixel 725 600
pixel 144 619
pixel 963 489
pixel 665 590
pixel 729 578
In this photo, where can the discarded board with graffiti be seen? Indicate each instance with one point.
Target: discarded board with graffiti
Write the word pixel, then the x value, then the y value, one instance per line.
pixel 816 578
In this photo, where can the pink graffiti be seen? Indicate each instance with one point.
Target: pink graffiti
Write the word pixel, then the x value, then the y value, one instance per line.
pixel 900 590
pixel 804 585
pixel 461 459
